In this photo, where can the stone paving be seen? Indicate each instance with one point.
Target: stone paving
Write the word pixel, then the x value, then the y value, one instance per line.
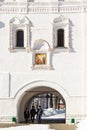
pixel 30 127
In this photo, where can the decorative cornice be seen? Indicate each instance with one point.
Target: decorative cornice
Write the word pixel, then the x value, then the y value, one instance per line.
pixel 38 8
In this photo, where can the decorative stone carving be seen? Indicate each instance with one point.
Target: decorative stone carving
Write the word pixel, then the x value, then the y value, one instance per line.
pixel 42 7
pixel 41 58
pixel 15 24
pixel 41 45
pixel 61 23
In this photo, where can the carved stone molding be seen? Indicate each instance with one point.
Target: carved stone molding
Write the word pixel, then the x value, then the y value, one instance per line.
pixel 15 24
pixel 42 8
pixel 77 117
pixel 6 119
pixel 61 23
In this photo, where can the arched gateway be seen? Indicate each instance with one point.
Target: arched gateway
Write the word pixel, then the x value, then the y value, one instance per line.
pixel 51 96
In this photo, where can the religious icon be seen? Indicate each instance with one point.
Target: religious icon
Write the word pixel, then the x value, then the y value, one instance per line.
pixel 40 59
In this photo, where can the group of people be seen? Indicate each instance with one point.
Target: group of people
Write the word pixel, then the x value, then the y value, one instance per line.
pixel 31 114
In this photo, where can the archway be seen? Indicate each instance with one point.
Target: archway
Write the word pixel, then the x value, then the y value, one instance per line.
pixel 53 103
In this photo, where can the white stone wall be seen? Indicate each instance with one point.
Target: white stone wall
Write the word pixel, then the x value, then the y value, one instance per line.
pixel 68 66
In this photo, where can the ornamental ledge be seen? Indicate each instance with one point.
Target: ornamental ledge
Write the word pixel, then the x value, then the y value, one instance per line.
pixel 42 67
pixel 38 10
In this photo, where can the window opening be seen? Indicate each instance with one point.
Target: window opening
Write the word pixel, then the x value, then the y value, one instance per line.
pixel 60 38
pixel 20 38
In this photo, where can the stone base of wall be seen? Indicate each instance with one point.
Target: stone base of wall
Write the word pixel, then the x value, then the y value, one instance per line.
pixel 69 119
pixel 8 119
pixel 76 118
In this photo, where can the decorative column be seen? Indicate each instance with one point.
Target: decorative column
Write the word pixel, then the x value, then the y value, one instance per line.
pixel 49 59
pixel 51 102
pixel 28 36
pixel 53 37
pixel 10 38
pixel 39 99
pixel 47 96
pixel 58 102
pixel 54 101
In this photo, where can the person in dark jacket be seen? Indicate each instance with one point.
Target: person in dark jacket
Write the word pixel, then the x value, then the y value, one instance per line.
pixel 32 113
pixel 39 114
pixel 26 115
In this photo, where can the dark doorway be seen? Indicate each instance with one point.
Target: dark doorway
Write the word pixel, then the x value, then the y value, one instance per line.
pixel 20 38
pixel 60 38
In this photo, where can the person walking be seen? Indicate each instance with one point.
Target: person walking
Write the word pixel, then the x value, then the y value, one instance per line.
pixel 32 113
pixel 26 115
pixel 39 114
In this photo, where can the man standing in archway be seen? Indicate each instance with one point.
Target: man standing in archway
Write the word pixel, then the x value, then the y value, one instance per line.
pixel 39 114
pixel 32 113
pixel 26 115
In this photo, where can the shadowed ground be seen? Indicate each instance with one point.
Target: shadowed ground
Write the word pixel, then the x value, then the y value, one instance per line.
pixel 53 126
pixel 62 127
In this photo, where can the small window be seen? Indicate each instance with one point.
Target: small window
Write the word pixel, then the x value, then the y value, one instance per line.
pixel 61 34
pixel 60 38
pixel 20 38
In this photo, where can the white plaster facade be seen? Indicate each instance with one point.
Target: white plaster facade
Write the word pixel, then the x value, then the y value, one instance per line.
pixel 65 70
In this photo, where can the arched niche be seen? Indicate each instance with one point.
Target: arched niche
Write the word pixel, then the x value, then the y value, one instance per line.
pixel 41 55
